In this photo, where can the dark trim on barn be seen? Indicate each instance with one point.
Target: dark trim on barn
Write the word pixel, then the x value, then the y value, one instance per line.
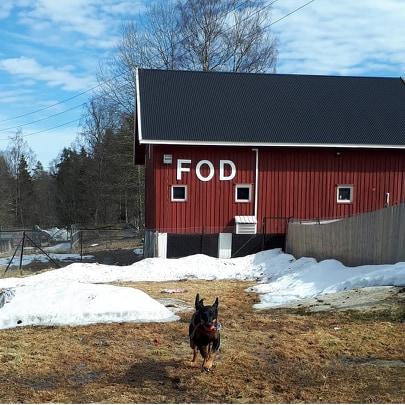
pixel 181 245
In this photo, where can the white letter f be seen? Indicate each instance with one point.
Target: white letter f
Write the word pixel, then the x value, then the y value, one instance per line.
pixel 182 169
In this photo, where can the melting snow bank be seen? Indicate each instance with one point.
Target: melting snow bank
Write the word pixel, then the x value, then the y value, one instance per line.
pixel 306 278
pixel 79 304
pixel 69 296
pixel 253 267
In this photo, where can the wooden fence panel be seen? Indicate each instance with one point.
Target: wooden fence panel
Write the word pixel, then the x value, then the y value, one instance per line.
pixel 376 237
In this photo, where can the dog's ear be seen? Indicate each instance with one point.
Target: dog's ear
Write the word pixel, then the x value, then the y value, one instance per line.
pixel 198 302
pixel 215 305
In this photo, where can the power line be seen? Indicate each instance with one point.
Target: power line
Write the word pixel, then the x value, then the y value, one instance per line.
pixel 292 12
pixel 65 99
pixel 42 119
pixel 52 105
pixel 286 15
pixel 114 77
pixel 52 115
pixel 45 130
pixel 81 93
pixel 98 85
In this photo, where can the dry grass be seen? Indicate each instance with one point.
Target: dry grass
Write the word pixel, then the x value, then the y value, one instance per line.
pixel 270 356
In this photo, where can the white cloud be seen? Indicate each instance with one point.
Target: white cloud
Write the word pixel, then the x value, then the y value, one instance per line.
pixel 73 15
pixel 89 17
pixel 5 9
pixel 124 7
pixel 341 37
pixel 15 96
pixel 107 43
pixel 7 6
pixel 29 68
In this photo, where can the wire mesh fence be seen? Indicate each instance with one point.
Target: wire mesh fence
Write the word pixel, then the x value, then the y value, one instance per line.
pixel 37 249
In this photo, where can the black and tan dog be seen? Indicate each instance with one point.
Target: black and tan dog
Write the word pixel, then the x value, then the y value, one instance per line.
pixel 204 332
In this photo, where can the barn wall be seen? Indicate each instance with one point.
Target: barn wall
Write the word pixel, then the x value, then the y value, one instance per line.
pixel 293 182
pixel 210 207
pixel 301 183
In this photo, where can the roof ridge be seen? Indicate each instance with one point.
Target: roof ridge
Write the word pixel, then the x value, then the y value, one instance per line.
pixel 270 74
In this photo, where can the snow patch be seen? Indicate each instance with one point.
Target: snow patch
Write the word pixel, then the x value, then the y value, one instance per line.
pixel 78 304
pixel 280 279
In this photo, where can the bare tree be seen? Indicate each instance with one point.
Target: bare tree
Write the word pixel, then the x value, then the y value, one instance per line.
pixel 154 44
pixel 98 121
pixel 17 152
pixel 203 23
pixel 16 148
pixel 227 35
pixel 223 35
pixel 250 45
pixel 100 116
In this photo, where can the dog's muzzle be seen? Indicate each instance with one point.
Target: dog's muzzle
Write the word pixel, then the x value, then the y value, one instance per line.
pixel 215 327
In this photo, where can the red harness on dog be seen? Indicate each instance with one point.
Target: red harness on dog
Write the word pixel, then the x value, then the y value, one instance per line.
pixel 211 330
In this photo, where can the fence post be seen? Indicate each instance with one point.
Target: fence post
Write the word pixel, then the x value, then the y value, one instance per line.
pixel 12 258
pixel 81 245
pixel 22 251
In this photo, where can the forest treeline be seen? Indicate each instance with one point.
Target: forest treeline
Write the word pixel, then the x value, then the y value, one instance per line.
pixel 87 184
pixel 94 182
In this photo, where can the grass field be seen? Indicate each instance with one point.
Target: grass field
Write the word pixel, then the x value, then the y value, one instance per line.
pixel 269 356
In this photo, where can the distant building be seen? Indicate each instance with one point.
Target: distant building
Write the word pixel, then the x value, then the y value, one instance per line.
pixel 233 156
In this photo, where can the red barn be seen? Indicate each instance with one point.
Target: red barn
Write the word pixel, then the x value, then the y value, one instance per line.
pixel 230 157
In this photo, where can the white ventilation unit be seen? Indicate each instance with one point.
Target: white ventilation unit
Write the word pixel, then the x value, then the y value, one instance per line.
pixel 245 224
pixel 225 245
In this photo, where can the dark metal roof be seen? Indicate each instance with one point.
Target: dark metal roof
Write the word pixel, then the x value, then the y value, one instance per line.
pixel 215 107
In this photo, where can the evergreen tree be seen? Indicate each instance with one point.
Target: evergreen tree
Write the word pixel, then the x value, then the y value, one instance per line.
pixel 6 194
pixel 25 194
pixel 44 197
pixel 74 201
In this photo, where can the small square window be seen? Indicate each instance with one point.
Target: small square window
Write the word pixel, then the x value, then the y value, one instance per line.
pixel 344 194
pixel 243 193
pixel 179 193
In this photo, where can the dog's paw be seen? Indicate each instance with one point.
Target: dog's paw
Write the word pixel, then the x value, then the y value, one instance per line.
pixel 193 364
pixel 207 368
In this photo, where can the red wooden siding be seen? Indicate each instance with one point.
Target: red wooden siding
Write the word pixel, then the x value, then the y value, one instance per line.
pixel 301 183
pixel 293 182
pixel 210 206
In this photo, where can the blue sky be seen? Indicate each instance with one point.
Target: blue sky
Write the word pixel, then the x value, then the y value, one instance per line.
pixel 50 51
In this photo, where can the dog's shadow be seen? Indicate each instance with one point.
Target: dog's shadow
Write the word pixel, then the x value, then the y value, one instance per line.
pixel 149 371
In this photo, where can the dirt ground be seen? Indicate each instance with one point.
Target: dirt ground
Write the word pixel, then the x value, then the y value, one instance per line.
pixel 266 356
pixel 369 299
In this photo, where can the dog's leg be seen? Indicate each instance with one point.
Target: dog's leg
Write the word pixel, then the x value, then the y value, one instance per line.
pixel 193 362
pixel 209 361
pixel 206 353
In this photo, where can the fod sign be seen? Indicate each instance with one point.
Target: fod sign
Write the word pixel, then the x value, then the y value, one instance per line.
pixel 182 168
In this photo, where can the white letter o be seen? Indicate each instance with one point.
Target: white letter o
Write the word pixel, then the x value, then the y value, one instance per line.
pixel 198 170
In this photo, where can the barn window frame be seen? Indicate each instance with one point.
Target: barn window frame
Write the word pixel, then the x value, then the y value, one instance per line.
pixel 243 200
pixel 172 198
pixel 344 186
